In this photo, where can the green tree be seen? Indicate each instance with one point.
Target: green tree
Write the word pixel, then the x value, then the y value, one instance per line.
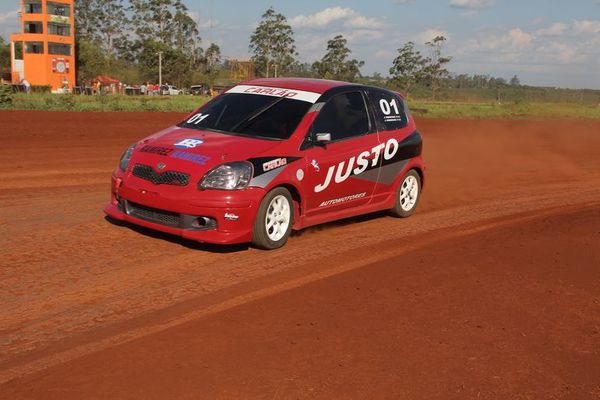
pixel 165 26
pixel 164 21
pixel 186 38
pixel 212 63
pixel 147 59
pixel 273 45
pixel 101 27
pixel 91 60
pixel 111 23
pixel 150 19
pixel 435 68
pixel 184 30
pixel 86 20
pixel 514 81
pixel 302 70
pixel 408 68
pixel 212 60
pixel 126 49
pixel 4 55
pixel 175 64
pixel 336 64
pixel 374 80
pixel 212 57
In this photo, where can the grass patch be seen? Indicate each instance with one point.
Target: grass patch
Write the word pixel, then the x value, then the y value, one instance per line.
pixel 106 103
pixel 185 104
pixel 517 110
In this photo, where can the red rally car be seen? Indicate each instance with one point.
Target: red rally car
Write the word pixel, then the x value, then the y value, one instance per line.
pixel 269 156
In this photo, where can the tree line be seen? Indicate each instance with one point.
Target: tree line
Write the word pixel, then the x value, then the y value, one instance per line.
pixel 123 38
pixel 274 53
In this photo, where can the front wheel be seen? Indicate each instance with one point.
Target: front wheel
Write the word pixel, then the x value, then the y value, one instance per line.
pixel 273 223
pixel 408 195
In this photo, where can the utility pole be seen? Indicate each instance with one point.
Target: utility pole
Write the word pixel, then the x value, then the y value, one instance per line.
pixel 162 39
pixel 160 69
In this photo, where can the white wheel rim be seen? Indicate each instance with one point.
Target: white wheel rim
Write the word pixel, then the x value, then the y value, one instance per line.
pixel 409 192
pixel 278 218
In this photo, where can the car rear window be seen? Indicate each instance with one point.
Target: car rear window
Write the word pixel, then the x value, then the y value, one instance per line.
pixel 264 117
pixel 389 109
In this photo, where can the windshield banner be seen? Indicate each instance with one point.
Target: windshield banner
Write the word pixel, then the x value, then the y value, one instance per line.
pixel 302 95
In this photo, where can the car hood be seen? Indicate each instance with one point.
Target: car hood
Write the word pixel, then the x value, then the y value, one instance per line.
pixel 197 151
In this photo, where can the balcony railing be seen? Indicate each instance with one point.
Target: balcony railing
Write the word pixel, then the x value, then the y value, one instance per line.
pixel 58 9
pixel 59 29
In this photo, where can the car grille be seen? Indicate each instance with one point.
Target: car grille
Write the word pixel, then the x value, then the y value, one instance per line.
pixel 146 172
pixel 155 215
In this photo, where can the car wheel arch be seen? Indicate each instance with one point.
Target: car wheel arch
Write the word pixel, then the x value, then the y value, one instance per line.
pixel 419 171
pixel 394 188
pixel 411 166
pixel 297 198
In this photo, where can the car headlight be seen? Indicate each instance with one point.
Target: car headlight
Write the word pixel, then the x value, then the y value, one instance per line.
pixel 228 176
pixel 124 163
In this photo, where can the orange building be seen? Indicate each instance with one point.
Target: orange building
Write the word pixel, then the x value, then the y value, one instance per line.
pixel 44 53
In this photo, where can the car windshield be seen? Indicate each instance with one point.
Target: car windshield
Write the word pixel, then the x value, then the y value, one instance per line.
pixel 264 117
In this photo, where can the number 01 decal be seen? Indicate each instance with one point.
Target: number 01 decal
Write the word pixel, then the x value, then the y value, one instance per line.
pixel 386 106
pixel 196 119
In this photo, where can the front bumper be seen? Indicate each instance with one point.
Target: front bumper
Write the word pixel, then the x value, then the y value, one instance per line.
pixel 210 216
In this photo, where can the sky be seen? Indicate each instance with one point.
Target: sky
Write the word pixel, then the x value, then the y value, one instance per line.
pixel 543 42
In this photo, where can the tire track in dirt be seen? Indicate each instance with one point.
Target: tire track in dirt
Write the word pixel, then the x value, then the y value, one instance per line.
pixel 108 296
pixel 451 222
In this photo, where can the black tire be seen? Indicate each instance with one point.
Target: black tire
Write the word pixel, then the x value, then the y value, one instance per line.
pixel 401 210
pixel 262 237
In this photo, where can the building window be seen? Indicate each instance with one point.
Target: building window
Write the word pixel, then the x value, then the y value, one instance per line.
pixel 63 10
pixel 18 50
pixel 33 7
pixel 59 29
pixel 59 49
pixel 34 47
pixel 33 27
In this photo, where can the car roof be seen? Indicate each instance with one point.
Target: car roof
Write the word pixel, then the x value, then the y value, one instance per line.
pixel 307 84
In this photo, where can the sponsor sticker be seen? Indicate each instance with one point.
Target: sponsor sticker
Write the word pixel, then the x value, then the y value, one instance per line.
pixel 356 165
pixel 300 175
pixel 161 151
pixel 181 155
pixel 231 217
pixel 276 163
pixel 302 95
pixel 315 165
pixel 342 199
pixel 189 143
pixel 195 158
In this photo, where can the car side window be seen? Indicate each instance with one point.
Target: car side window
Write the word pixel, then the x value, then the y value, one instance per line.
pixel 389 109
pixel 343 116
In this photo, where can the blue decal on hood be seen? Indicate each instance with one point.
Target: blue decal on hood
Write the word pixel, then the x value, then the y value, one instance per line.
pixel 189 143
pixel 195 158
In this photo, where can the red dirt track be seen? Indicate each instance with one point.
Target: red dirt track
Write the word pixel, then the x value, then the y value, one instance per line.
pixel 491 290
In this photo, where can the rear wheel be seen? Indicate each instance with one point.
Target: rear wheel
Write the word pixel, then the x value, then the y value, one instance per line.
pixel 273 223
pixel 408 195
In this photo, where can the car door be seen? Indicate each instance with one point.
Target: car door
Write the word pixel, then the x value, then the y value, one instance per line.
pixel 391 118
pixel 342 172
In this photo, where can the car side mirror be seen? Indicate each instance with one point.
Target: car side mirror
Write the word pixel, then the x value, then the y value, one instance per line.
pixel 323 138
